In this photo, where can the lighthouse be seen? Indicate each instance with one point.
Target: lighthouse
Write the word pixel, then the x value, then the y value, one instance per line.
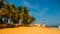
pixel 44 23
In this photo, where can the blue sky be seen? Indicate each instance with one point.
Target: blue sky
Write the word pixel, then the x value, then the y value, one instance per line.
pixel 42 9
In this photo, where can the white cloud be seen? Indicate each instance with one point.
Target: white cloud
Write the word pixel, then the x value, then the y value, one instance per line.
pixel 43 11
pixel 40 13
pixel 26 4
pixel 35 7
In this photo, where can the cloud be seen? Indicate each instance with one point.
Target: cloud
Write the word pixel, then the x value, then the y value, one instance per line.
pixel 26 4
pixel 43 11
pixel 35 7
pixel 38 11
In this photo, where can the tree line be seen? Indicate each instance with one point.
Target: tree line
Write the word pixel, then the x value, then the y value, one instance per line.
pixel 10 11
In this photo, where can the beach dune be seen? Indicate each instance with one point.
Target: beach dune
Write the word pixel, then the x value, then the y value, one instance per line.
pixel 29 30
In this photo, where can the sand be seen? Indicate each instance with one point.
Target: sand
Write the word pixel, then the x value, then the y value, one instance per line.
pixel 29 30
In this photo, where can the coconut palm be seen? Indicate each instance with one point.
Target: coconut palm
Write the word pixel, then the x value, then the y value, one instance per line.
pixel 12 11
pixel 26 16
pixel 32 19
pixel 20 14
pixel 1 4
pixel 15 14
pixel 3 9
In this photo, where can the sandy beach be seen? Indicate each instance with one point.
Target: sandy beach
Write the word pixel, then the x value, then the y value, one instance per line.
pixel 29 30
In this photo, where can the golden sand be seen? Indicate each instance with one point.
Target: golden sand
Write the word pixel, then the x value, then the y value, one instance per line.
pixel 29 30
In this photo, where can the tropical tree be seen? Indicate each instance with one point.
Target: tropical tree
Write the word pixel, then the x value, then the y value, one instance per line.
pixel 9 11
pixel 26 16
pixel 32 19
pixel 1 4
pixel 20 13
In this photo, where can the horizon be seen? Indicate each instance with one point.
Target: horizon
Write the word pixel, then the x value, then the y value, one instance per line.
pixel 48 10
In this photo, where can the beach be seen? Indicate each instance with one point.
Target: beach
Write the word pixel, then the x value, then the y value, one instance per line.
pixel 29 30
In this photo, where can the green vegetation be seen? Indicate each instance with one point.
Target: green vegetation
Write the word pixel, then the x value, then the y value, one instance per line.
pixel 9 11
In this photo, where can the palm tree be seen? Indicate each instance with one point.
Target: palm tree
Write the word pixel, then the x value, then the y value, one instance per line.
pixel 1 4
pixel 1 14
pixel 20 13
pixel 26 16
pixel 32 19
pixel 29 20
pixel 4 11
pixel 12 11
pixel 7 11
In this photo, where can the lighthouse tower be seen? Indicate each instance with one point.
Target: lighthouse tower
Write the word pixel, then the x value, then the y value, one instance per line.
pixel 44 23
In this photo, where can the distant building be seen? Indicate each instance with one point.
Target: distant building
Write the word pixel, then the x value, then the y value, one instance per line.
pixel 36 24
pixel 58 26
pixel 44 23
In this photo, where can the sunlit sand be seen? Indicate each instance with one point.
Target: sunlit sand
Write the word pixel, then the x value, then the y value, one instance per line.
pixel 29 30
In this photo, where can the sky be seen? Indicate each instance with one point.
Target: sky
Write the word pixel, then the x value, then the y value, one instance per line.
pixel 48 10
